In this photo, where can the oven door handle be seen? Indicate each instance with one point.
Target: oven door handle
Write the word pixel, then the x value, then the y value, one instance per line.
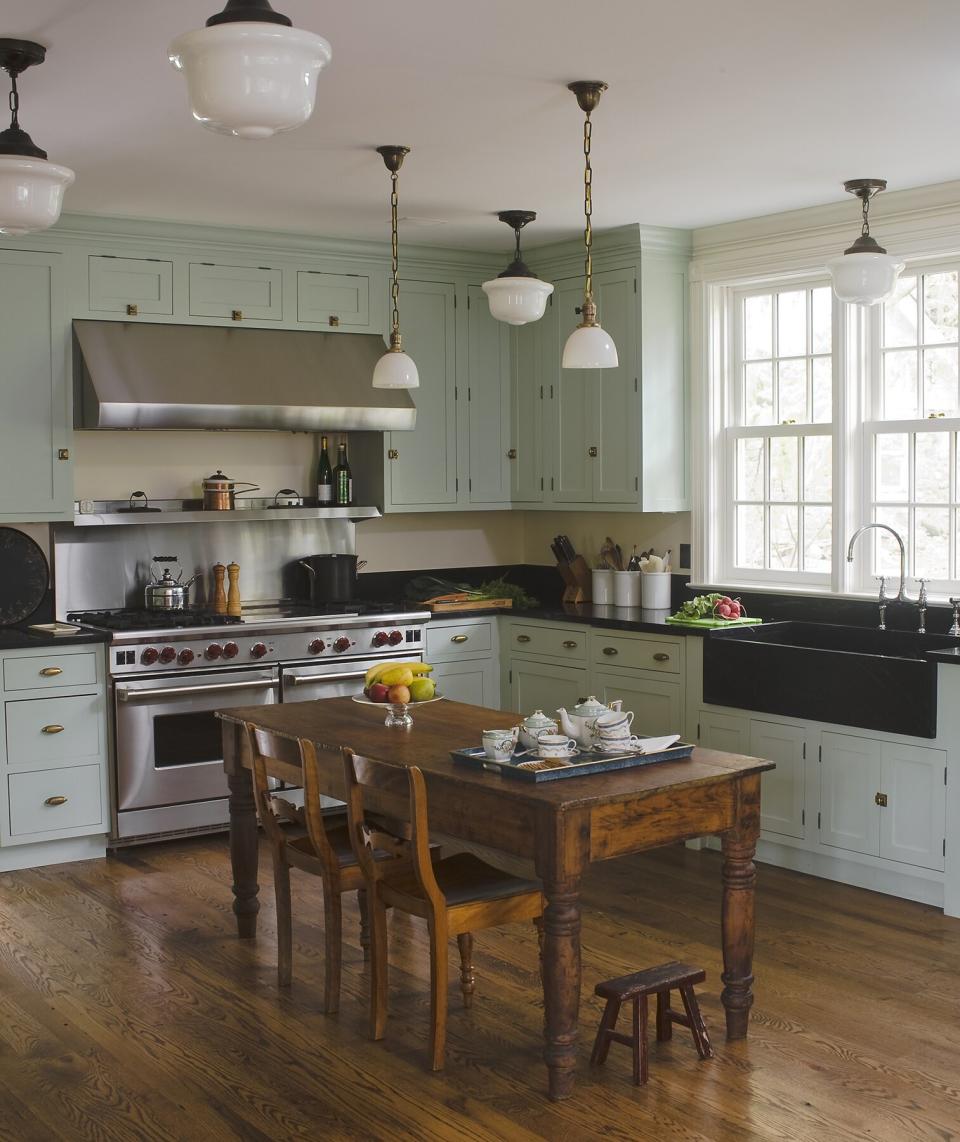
pixel 304 679
pixel 134 694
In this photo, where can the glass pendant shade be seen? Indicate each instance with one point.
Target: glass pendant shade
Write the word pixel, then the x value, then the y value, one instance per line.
pixel 251 78
pixel 866 279
pixel 590 347
pixel 31 193
pixel 395 370
pixel 517 301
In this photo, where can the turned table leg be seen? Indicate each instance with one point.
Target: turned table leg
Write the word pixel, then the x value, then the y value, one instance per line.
pixel 739 880
pixel 244 852
pixel 561 983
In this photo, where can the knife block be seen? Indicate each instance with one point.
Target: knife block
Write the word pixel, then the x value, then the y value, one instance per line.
pixel 576 575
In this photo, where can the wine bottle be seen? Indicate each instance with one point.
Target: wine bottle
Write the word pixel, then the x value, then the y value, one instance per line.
pixel 342 478
pixel 324 476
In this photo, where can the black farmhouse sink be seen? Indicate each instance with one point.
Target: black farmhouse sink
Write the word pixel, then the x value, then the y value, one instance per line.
pixel 853 676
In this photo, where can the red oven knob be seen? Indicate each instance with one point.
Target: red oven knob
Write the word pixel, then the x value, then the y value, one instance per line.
pixel 394 637
pixel 341 645
pixel 214 650
pixel 185 657
pixel 316 646
pixel 150 656
pixel 230 650
pixel 258 650
pixel 168 654
pixel 381 638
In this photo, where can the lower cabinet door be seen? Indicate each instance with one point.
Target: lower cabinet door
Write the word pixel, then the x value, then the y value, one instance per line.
pixel 781 789
pixel 48 803
pixel 656 703
pixel 727 732
pixel 541 686
pixel 473 681
pixel 849 781
pixel 913 820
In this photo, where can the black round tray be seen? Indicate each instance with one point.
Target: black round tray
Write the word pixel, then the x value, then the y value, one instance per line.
pixel 24 576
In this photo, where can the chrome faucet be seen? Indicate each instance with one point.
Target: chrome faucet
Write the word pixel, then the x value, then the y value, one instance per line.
pixel 901 595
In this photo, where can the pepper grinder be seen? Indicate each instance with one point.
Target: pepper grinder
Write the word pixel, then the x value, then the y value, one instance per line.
pixel 219 595
pixel 233 592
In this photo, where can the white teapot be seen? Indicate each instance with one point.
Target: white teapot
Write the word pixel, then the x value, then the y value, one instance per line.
pixel 531 728
pixel 578 722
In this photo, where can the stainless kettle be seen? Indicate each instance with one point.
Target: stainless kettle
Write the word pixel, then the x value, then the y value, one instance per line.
pixel 166 593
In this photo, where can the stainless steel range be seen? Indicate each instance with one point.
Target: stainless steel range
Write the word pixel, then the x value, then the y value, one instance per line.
pixel 169 670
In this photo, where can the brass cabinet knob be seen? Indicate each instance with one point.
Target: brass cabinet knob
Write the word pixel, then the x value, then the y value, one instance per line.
pixel 512 454
pixel 880 799
pixel 610 650
pixel 333 321
pixel 236 315
pixel 50 671
pixel 132 310
pixel 393 454
pixel 661 657
pixel 523 638
pixel 570 644
pixel 53 728
pixel 459 637
pixel 592 450
pixel 55 801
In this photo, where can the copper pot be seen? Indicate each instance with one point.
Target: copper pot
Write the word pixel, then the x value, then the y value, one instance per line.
pixel 219 492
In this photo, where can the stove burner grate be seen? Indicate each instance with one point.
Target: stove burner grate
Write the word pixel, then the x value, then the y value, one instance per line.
pixel 151 619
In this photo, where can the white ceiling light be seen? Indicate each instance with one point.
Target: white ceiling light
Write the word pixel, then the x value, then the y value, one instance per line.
pixel 249 72
pixel 866 274
pixel 517 296
pixel 588 346
pixel 31 189
pixel 395 369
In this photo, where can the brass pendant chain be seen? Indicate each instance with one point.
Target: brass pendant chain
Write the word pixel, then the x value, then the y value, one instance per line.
pixel 865 228
pixel 394 253
pixel 588 208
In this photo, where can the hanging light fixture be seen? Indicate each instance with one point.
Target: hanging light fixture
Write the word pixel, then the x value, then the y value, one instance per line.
pixel 866 274
pixel 517 296
pixel 395 370
pixel 249 72
pixel 31 189
pixel 588 346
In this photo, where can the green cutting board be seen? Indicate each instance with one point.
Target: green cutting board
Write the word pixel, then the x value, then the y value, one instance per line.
pixel 710 622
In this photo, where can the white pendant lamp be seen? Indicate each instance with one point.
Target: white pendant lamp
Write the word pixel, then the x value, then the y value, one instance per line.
pixel 31 189
pixel 517 296
pixel 866 274
pixel 588 346
pixel 249 72
pixel 395 369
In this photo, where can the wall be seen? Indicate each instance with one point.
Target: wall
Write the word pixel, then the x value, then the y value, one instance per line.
pixel 445 539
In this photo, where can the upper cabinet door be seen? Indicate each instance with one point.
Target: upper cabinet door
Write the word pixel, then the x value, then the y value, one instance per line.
pixel 237 293
pixel 35 477
pixel 130 286
pixel 526 455
pixel 616 424
pixel 335 301
pixel 488 402
pixel 422 463
pixel 570 436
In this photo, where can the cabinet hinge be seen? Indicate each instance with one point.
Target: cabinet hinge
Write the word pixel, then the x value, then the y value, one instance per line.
pixel 551 392
pixel 550 299
pixel 804 755
pixel 803 816
pixel 469 393
pixel 944 775
pixel 541 392
pixel 698 731
pixel 819 754
pixel 470 484
pixel 541 483
pixel 454 301
pixel 551 483
pixel 944 846
pixel 634 285
pixel 456 393
pixel 202 263
pixel 468 301
pixel 818 820
pixel 636 483
pixel 636 385
pixel 509 675
pixel 456 484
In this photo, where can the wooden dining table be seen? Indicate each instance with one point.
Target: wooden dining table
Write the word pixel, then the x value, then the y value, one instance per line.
pixel 563 826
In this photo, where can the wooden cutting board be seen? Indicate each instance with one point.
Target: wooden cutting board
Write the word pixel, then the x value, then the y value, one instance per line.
pixel 463 602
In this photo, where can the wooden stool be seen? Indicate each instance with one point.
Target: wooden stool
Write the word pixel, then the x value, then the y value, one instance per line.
pixel 659 981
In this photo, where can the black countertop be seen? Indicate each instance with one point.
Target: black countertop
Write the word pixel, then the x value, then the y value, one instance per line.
pixel 589 614
pixel 21 637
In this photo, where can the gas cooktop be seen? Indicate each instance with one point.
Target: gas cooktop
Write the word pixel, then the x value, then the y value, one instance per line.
pixel 282 611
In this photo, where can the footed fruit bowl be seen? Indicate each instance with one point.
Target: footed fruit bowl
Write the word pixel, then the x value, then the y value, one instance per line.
pixel 398 713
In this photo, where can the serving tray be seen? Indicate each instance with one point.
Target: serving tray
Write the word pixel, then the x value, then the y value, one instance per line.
pixel 585 763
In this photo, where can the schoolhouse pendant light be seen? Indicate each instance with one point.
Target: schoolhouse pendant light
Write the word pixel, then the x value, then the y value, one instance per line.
pixel 517 296
pixel 31 189
pixel 395 369
pixel 249 72
pixel 866 274
pixel 588 346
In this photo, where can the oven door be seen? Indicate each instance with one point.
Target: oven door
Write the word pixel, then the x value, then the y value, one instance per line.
pixel 307 681
pixel 167 737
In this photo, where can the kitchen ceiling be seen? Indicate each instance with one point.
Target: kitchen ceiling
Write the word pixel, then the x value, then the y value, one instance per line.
pixel 716 111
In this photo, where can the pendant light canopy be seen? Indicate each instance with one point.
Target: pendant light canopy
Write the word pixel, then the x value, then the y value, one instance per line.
pixel 517 296
pixel 395 370
pixel 588 346
pixel 866 274
pixel 31 189
pixel 249 72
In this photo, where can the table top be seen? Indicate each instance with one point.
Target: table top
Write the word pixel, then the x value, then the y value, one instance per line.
pixel 444 726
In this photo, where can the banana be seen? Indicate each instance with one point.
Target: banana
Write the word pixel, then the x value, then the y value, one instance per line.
pixel 397 675
pixel 378 670
pixel 373 674
pixel 419 668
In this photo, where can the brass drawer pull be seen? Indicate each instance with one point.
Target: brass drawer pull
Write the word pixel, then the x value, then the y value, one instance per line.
pixel 393 454
pixel 570 644
pixel 333 321
pixel 880 799
pixel 459 637
pixel 611 650
pixel 55 801
pixel 523 638
pixel 512 454
pixel 660 656
pixel 50 671
pixel 236 315
pixel 132 310
pixel 52 729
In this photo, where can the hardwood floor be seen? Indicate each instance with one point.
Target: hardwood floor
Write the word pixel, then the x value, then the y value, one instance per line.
pixel 130 1010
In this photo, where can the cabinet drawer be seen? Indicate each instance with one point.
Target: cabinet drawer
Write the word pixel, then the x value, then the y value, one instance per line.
pixel 459 641
pixel 49 671
pixel 549 640
pixel 637 653
pixel 243 293
pixel 31 794
pixel 130 285
pixel 338 301
pixel 49 731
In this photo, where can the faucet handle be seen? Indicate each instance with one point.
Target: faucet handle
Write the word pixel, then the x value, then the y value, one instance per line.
pixel 955 628
pixel 882 580
pixel 922 598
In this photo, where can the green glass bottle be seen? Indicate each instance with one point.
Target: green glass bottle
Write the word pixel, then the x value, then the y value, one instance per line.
pixel 342 478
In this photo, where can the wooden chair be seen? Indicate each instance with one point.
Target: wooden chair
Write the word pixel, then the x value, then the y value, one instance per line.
pixel 456 895
pixel 325 851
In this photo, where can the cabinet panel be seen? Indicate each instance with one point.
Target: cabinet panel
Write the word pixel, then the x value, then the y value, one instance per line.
pixel 473 681
pixel 119 283
pixel 31 792
pixel 553 641
pixel 338 301
pixel 639 653
pixel 727 732
pixel 849 771
pixel 665 476
pixel 488 401
pixel 540 686
pixel 913 822
pixel 527 483
pixel 656 702
pixel 458 640
pixel 781 789
pixel 424 471
pixel 50 670
pixel 571 391
pixel 616 428
pixel 253 292
pixel 52 731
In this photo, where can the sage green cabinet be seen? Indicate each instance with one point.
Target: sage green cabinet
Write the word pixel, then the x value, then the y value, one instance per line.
pixel 657 703
pixel 488 403
pixel 464 655
pixel 334 301
pixel 782 790
pixel 534 685
pixel 35 477
pixel 236 293
pixel 526 414
pixel 130 286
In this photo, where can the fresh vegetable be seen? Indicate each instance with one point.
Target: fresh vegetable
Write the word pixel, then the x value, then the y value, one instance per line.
pixel 712 606
pixel 428 586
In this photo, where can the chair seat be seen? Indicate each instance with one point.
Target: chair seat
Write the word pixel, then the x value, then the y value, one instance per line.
pixel 465 878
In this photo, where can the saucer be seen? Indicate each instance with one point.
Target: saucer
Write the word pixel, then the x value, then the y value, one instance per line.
pixel 534 755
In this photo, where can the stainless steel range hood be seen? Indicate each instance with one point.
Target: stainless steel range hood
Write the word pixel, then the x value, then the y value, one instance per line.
pixel 150 376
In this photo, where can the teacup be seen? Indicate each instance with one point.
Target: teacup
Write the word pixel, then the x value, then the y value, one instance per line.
pixel 612 726
pixel 499 745
pixel 555 745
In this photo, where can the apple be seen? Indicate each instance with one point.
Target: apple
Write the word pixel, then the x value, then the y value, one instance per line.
pixel 379 692
pixel 398 694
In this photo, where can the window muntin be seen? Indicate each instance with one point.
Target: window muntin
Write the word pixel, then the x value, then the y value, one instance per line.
pixel 920 348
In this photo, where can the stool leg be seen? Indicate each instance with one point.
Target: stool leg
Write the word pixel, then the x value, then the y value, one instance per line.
pixel 601 1046
pixel 640 1040
pixel 698 1028
pixel 664 1022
